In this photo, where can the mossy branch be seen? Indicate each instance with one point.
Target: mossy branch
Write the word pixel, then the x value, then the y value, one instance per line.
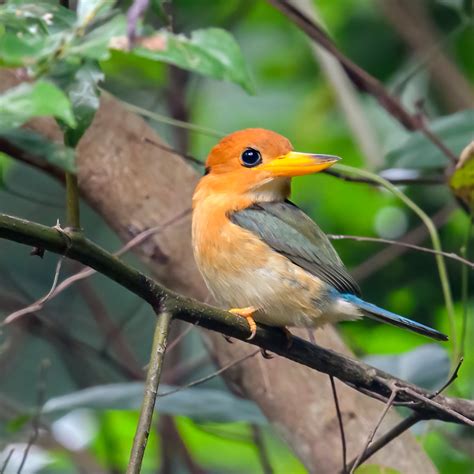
pixel 364 378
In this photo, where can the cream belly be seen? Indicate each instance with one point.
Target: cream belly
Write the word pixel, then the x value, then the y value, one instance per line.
pixel 283 294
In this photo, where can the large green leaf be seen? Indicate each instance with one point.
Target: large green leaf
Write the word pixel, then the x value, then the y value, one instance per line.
pixel 40 99
pixel 198 403
pixel 212 52
pixel 41 147
pixel 455 131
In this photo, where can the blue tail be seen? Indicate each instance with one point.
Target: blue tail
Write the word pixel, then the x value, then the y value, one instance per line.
pixel 380 314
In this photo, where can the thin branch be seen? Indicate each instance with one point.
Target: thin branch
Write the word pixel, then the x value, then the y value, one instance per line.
pixel 443 275
pixel 372 433
pixel 72 202
pixel 361 78
pixel 427 180
pixel 160 339
pixel 361 238
pixel 404 425
pixel 41 391
pixel 7 460
pixel 341 424
pixel 134 13
pixel 363 377
pixel 262 452
pixel 214 374
pixel 88 272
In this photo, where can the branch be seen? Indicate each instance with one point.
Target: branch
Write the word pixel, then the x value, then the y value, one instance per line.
pixel 378 240
pixel 158 349
pixel 361 78
pixel 364 378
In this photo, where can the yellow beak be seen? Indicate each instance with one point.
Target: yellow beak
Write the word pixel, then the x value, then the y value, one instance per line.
pixel 298 164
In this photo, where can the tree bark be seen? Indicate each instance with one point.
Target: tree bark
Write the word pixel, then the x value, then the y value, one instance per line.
pixel 136 186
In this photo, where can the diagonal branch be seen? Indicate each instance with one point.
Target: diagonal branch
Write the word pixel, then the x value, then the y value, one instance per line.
pixel 364 378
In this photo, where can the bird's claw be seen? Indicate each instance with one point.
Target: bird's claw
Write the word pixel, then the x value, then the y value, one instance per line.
pixel 247 313
pixel 265 353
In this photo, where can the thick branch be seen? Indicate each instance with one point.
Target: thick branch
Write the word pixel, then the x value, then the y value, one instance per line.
pixel 364 378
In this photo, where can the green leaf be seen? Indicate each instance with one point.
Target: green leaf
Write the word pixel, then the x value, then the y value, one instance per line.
pixel 462 179
pixel 197 403
pixel 212 52
pixel 95 45
pixel 455 131
pixel 41 147
pixel 40 99
pixel 84 96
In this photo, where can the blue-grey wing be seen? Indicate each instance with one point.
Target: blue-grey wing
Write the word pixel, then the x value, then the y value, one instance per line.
pixel 289 231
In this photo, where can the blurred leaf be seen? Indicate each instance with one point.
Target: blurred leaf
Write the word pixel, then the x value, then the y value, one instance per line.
pixel 24 50
pixel 426 366
pixel 197 403
pixel 462 179
pixel 40 99
pixel 375 469
pixel 41 147
pixel 418 152
pixel 95 44
pixel 84 96
pixel 36 17
pixel 212 52
pixel 87 10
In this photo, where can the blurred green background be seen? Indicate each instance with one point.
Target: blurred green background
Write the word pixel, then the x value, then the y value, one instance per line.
pixel 292 95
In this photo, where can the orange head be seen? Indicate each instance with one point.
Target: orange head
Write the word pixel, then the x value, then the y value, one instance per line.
pixel 257 164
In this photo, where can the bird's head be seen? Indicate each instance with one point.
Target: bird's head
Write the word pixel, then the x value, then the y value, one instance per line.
pixel 257 164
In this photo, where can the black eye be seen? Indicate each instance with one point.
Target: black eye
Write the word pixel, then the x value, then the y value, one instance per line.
pixel 251 158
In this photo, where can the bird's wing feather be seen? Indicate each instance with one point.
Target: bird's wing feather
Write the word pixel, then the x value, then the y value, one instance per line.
pixel 290 232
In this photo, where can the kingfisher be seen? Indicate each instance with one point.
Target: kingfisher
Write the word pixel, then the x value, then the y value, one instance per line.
pixel 260 255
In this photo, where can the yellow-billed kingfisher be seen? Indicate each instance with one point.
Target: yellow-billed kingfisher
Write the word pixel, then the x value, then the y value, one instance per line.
pixel 261 255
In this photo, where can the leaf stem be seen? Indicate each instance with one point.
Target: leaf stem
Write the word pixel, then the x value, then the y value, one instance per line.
pixel 443 275
pixel 160 339
pixel 73 219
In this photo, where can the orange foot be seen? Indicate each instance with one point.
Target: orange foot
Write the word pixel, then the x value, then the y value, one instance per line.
pixel 247 313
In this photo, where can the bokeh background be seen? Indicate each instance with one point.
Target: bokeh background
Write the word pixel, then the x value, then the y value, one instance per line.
pixel 207 428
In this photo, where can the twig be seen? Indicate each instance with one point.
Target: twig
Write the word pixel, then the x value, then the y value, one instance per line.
pixel 37 305
pixel 180 337
pixel 361 238
pixel 341 425
pixel 151 389
pixel 7 460
pixel 41 391
pixel 259 442
pixel 404 425
pixel 361 78
pixel 364 378
pixel 136 10
pixel 428 180
pixel 443 275
pixel 170 121
pixel 210 376
pixel 72 202
pixel 162 146
pixel 87 272
pixel 372 433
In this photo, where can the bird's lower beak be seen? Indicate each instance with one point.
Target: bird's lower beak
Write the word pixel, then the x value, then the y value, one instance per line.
pixel 299 164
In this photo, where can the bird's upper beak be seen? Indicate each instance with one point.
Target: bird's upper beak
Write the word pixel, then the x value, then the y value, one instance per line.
pixel 298 164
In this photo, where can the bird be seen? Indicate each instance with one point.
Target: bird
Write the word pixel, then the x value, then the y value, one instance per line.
pixel 261 257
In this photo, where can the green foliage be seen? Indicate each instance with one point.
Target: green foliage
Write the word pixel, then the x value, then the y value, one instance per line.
pixel 27 101
pixel 40 147
pixel 212 52
pixel 455 131
pixel 375 469
pixel 69 57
